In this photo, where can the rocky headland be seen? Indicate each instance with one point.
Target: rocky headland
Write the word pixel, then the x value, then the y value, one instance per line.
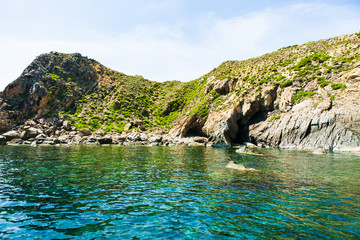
pixel 299 97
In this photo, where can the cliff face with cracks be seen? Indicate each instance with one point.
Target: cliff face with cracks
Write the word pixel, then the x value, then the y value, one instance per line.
pixel 300 97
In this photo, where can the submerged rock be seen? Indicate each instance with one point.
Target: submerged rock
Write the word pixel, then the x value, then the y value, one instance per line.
pixel 241 167
pixel 247 151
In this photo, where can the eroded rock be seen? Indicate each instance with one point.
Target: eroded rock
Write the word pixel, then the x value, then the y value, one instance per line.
pixel 11 135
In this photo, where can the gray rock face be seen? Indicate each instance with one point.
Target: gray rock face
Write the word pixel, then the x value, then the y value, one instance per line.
pixel 307 128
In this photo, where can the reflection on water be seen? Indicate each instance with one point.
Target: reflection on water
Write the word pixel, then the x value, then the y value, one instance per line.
pixel 117 192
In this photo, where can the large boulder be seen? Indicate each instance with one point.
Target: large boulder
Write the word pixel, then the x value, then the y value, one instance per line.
pixel 105 140
pixel 11 135
pixel 134 136
pixel 85 132
pixel 66 125
pixel 30 133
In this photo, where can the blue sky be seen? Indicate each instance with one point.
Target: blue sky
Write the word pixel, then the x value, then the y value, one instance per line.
pixel 164 39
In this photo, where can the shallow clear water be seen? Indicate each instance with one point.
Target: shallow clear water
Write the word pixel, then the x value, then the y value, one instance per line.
pixel 116 192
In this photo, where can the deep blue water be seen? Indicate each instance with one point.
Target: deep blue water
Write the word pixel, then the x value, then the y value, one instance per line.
pixel 117 192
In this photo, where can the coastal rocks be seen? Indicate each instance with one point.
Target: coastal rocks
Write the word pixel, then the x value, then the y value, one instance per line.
pixel 247 151
pixel 11 135
pixel 155 139
pixel 307 127
pixel 66 125
pixel 182 128
pixel 226 125
pixel 134 137
pixel 85 132
pixel 240 167
pixel 223 125
pixel 15 141
pixel 200 139
pixel 64 138
pixel 30 133
pixel 105 140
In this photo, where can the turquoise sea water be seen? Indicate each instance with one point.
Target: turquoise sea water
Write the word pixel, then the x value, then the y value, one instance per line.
pixel 117 192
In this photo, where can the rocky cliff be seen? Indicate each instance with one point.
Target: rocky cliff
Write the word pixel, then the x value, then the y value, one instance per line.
pixel 300 97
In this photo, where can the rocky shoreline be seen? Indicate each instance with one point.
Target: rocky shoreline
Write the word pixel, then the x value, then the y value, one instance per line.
pixel 301 97
pixel 53 132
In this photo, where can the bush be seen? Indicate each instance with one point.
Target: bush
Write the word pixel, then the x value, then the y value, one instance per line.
pixel 318 57
pixel 286 83
pixel 336 86
pixel 322 82
pixel 274 118
pixel 203 112
pixel 301 95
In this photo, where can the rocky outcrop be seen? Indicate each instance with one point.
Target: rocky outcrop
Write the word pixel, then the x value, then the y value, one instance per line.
pixel 6 117
pixel 47 85
pixel 303 97
pixel 309 127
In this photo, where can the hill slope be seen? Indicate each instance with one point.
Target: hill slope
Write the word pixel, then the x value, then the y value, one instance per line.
pixel 297 97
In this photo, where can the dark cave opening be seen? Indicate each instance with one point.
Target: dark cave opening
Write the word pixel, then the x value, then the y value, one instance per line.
pixel 195 131
pixel 243 134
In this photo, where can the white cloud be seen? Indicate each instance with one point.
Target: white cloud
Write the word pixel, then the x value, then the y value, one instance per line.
pixel 165 51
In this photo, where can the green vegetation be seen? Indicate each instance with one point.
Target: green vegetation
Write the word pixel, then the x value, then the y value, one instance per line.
pixel 106 100
pixel 301 95
pixel 285 84
pixel 322 82
pixel 336 86
pixel 274 117
pixel 307 61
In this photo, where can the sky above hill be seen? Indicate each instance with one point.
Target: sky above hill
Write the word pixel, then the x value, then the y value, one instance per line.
pixel 164 39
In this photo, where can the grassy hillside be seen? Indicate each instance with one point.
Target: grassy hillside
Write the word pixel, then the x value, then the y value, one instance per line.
pixel 89 94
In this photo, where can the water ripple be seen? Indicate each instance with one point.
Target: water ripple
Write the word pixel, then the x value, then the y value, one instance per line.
pixel 175 193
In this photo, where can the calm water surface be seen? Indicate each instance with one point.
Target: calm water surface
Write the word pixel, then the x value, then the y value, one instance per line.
pixel 115 192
